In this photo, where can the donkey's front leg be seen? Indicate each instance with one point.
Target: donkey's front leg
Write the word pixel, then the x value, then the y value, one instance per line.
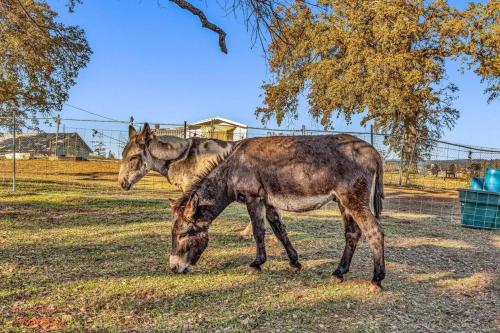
pixel 279 229
pixel 257 211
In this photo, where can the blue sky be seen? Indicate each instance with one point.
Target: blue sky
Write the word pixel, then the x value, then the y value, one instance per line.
pixel 159 65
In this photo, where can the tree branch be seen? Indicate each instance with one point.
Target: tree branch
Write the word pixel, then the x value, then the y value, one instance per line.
pixel 205 23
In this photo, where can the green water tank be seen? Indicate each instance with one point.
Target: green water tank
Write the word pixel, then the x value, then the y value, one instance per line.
pixel 480 209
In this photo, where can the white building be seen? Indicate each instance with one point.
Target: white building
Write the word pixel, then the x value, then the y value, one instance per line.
pixel 214 128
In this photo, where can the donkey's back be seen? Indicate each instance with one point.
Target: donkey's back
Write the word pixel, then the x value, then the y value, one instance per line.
pixel 304 172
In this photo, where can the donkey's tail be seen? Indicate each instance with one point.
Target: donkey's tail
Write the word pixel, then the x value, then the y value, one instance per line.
pixel 377 190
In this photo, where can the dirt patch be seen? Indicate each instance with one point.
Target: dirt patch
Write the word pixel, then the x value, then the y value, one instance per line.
pixel 43 323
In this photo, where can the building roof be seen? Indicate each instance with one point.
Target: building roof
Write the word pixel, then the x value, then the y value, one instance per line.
pixel 39 142
pixel 218 119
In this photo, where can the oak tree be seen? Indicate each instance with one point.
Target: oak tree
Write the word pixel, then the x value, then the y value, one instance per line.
pixel 39 60
pixel 382 59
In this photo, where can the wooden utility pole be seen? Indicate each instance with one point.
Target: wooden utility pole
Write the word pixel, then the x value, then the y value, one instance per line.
pixel 14 150
pixel 58 122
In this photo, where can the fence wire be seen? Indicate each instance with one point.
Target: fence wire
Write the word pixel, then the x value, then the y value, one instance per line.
pixel 68 158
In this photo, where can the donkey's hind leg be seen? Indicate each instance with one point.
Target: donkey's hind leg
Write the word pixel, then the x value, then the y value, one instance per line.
pixel 359 209
pixel 352 235
pixel 279 229
pixel 257 211
pixel 374 234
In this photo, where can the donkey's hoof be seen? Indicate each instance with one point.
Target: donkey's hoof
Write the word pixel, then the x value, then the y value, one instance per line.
pixel 254 270
pixel 296 266
pixel 337 279
pixel 375 288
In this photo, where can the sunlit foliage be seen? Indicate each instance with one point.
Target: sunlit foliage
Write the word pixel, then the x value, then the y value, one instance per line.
pixel 39 59
pixel 382 59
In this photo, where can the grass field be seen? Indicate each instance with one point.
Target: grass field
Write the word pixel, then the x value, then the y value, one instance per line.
pixel 78 254
pixel 429 181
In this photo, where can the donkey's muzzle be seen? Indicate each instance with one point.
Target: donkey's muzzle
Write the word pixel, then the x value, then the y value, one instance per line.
pixel 178 266
pixel 124 184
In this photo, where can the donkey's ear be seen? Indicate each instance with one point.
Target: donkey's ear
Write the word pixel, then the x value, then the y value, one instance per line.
pixel 146 133
pixel 146 129
pixel 131 131
pixel 192 206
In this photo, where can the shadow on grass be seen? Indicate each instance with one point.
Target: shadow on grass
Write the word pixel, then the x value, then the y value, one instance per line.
pixel 47 213
pixel 116 273
pixel 300 301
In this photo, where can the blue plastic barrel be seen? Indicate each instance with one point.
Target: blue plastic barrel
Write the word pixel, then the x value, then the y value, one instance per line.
pixel 492 180
pixel 477 183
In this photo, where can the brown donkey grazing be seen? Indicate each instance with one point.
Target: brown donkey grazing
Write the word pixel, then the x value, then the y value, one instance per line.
pixel 295 174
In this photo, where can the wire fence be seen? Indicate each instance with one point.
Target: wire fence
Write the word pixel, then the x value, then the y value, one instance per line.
pixel 71 157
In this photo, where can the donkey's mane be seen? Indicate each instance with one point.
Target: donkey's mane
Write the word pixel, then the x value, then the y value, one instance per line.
pixel 211 165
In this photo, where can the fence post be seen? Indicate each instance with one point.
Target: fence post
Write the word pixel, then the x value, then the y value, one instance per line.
pixel 185 129
pixel 65 144
pixel 58 122
pixel 371 135
pixel 303 129
pixel 401 164
pixel 14 150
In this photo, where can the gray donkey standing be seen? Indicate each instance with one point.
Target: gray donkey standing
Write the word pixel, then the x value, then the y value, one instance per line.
pixel 292 174
pixel 180 161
